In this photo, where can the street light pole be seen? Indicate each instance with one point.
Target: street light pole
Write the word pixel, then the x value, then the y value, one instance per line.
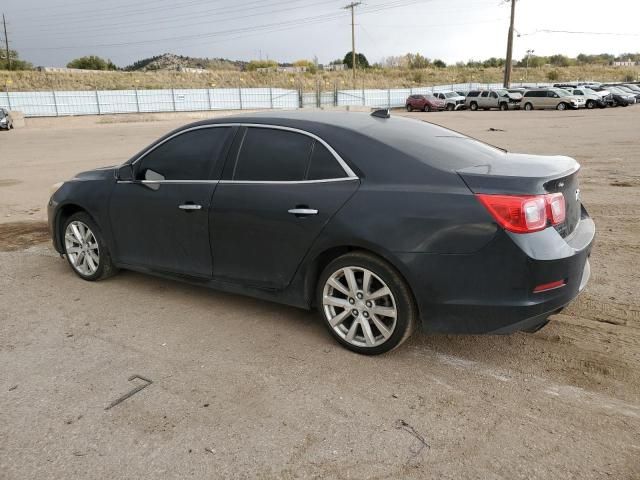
pixel 352 6
pixel 526 72
pixel 507 66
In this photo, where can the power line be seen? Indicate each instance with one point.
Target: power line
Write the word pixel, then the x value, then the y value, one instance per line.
pixel 294 23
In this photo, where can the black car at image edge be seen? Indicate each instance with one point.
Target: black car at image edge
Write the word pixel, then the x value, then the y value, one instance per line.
pixel 382 224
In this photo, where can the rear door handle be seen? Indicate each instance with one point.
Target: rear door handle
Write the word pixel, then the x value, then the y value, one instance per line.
pixel 189 206
pixel 303 211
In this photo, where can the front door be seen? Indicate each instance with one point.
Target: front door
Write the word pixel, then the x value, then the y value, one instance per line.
pixel 283 187
pixel 161 220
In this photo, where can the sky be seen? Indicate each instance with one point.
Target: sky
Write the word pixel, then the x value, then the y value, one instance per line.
pixel 52 32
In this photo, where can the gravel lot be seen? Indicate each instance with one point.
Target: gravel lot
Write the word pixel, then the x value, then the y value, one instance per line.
pixel 249 389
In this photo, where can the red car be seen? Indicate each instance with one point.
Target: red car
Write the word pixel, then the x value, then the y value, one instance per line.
pixel 426 103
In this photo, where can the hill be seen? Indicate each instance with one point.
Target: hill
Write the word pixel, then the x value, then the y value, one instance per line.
pixel 172 62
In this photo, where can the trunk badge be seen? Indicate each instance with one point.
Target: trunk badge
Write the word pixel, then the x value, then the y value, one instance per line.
pixel 577 194
pixel 560 184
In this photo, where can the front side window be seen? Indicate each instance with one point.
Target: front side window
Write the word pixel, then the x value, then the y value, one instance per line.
pixel 188 156
pixel 269 154
pixel 484 94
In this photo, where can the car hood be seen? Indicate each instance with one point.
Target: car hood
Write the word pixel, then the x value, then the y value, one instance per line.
pixel 101 173
pixel 514 96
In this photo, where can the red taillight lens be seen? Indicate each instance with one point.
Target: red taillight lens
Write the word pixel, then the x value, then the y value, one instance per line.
pixel 556 208
pixel 525 213
pixel 543 287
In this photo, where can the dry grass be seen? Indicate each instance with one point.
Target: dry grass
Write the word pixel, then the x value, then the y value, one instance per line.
pixel 372 78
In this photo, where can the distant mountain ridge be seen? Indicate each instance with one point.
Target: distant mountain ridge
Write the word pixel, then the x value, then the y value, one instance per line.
pixel 170 61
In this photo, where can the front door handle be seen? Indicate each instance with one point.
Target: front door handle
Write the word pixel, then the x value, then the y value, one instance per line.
pixel 189 206
pixel 301 212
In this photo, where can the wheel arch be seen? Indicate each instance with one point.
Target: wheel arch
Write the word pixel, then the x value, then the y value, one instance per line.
pixel 323 258
pixel 63 213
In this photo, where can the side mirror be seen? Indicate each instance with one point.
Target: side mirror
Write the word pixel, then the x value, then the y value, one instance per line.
pixel 151 177
pixel 125 173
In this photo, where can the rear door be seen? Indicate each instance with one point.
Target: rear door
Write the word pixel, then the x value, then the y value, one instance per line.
pixel 483 100
pixel 280 187
pixel 161 220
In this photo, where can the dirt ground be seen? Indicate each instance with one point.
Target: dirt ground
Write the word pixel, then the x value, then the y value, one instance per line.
pixel 249 389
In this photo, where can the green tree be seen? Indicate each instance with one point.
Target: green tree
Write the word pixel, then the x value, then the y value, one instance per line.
pixel 439 63
pixel 255 64
pixel 361 60
pixel 92 62
pixel 553 75
pixel 16 63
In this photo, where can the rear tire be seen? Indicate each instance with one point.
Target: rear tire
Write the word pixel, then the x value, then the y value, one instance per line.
pixel 409 108
pixel 528 107
pixel 365 303
pixel 473 106
pixel 426 108
pixel 85 249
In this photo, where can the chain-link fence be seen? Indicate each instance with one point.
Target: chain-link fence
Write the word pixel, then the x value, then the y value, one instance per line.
pixel 102 102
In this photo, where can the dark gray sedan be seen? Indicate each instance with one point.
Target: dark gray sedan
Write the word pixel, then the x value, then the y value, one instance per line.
pixel 382 224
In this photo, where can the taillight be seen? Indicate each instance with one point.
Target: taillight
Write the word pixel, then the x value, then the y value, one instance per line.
pixel 525 213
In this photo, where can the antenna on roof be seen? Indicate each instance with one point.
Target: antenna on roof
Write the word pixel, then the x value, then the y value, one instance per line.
pixel 381 113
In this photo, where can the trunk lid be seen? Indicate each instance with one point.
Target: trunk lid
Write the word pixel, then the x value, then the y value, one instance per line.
pixel 521 174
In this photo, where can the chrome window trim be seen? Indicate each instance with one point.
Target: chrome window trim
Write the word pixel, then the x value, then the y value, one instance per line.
pixel 350 173
pixel 239 182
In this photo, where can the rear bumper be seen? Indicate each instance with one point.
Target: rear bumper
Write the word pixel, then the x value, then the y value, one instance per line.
pixel 491 291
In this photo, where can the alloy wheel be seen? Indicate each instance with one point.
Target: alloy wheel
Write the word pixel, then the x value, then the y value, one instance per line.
pixel 359 306
pixel 81 247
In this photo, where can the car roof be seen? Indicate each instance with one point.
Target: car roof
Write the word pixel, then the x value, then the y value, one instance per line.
pixel 369 143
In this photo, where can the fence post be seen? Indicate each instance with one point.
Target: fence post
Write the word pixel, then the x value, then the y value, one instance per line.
pixel 209 99
pixel 137 101
pixel 9 99
pixel 388 98
pixel 300 99
pixel 410 90
pixel 318 101
pixel 271 97
pixel 335 94
pixel 363 100
pixel 98 102
pixel 173 99
pixel 240 96
pixel 55 102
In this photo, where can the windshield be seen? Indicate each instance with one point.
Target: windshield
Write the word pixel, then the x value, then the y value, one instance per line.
pixel 588 91
pixel 615 90
pixel 450 94
pixel 562 93
pixel 502 92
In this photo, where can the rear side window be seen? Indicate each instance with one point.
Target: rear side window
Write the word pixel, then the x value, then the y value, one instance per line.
pixel 269 154
pixel 323 164
pixel 484 94
pixel 472 94
pixel 188 156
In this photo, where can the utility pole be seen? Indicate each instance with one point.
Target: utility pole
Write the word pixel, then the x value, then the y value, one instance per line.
pixel 507 65
pixel 352 6
pixel 6 42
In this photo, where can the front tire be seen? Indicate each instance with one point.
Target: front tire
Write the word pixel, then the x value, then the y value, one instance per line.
pixel 450 107
pixel 590 104
pixel 85 249
pixel 504 107
pixel 426 108
pixel 409 108
pixel 365 303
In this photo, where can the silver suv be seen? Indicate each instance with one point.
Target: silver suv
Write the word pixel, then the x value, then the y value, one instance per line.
pixel 487 99
pixel 452 100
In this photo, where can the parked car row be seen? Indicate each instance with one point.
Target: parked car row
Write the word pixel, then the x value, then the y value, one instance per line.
pixel 562 96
